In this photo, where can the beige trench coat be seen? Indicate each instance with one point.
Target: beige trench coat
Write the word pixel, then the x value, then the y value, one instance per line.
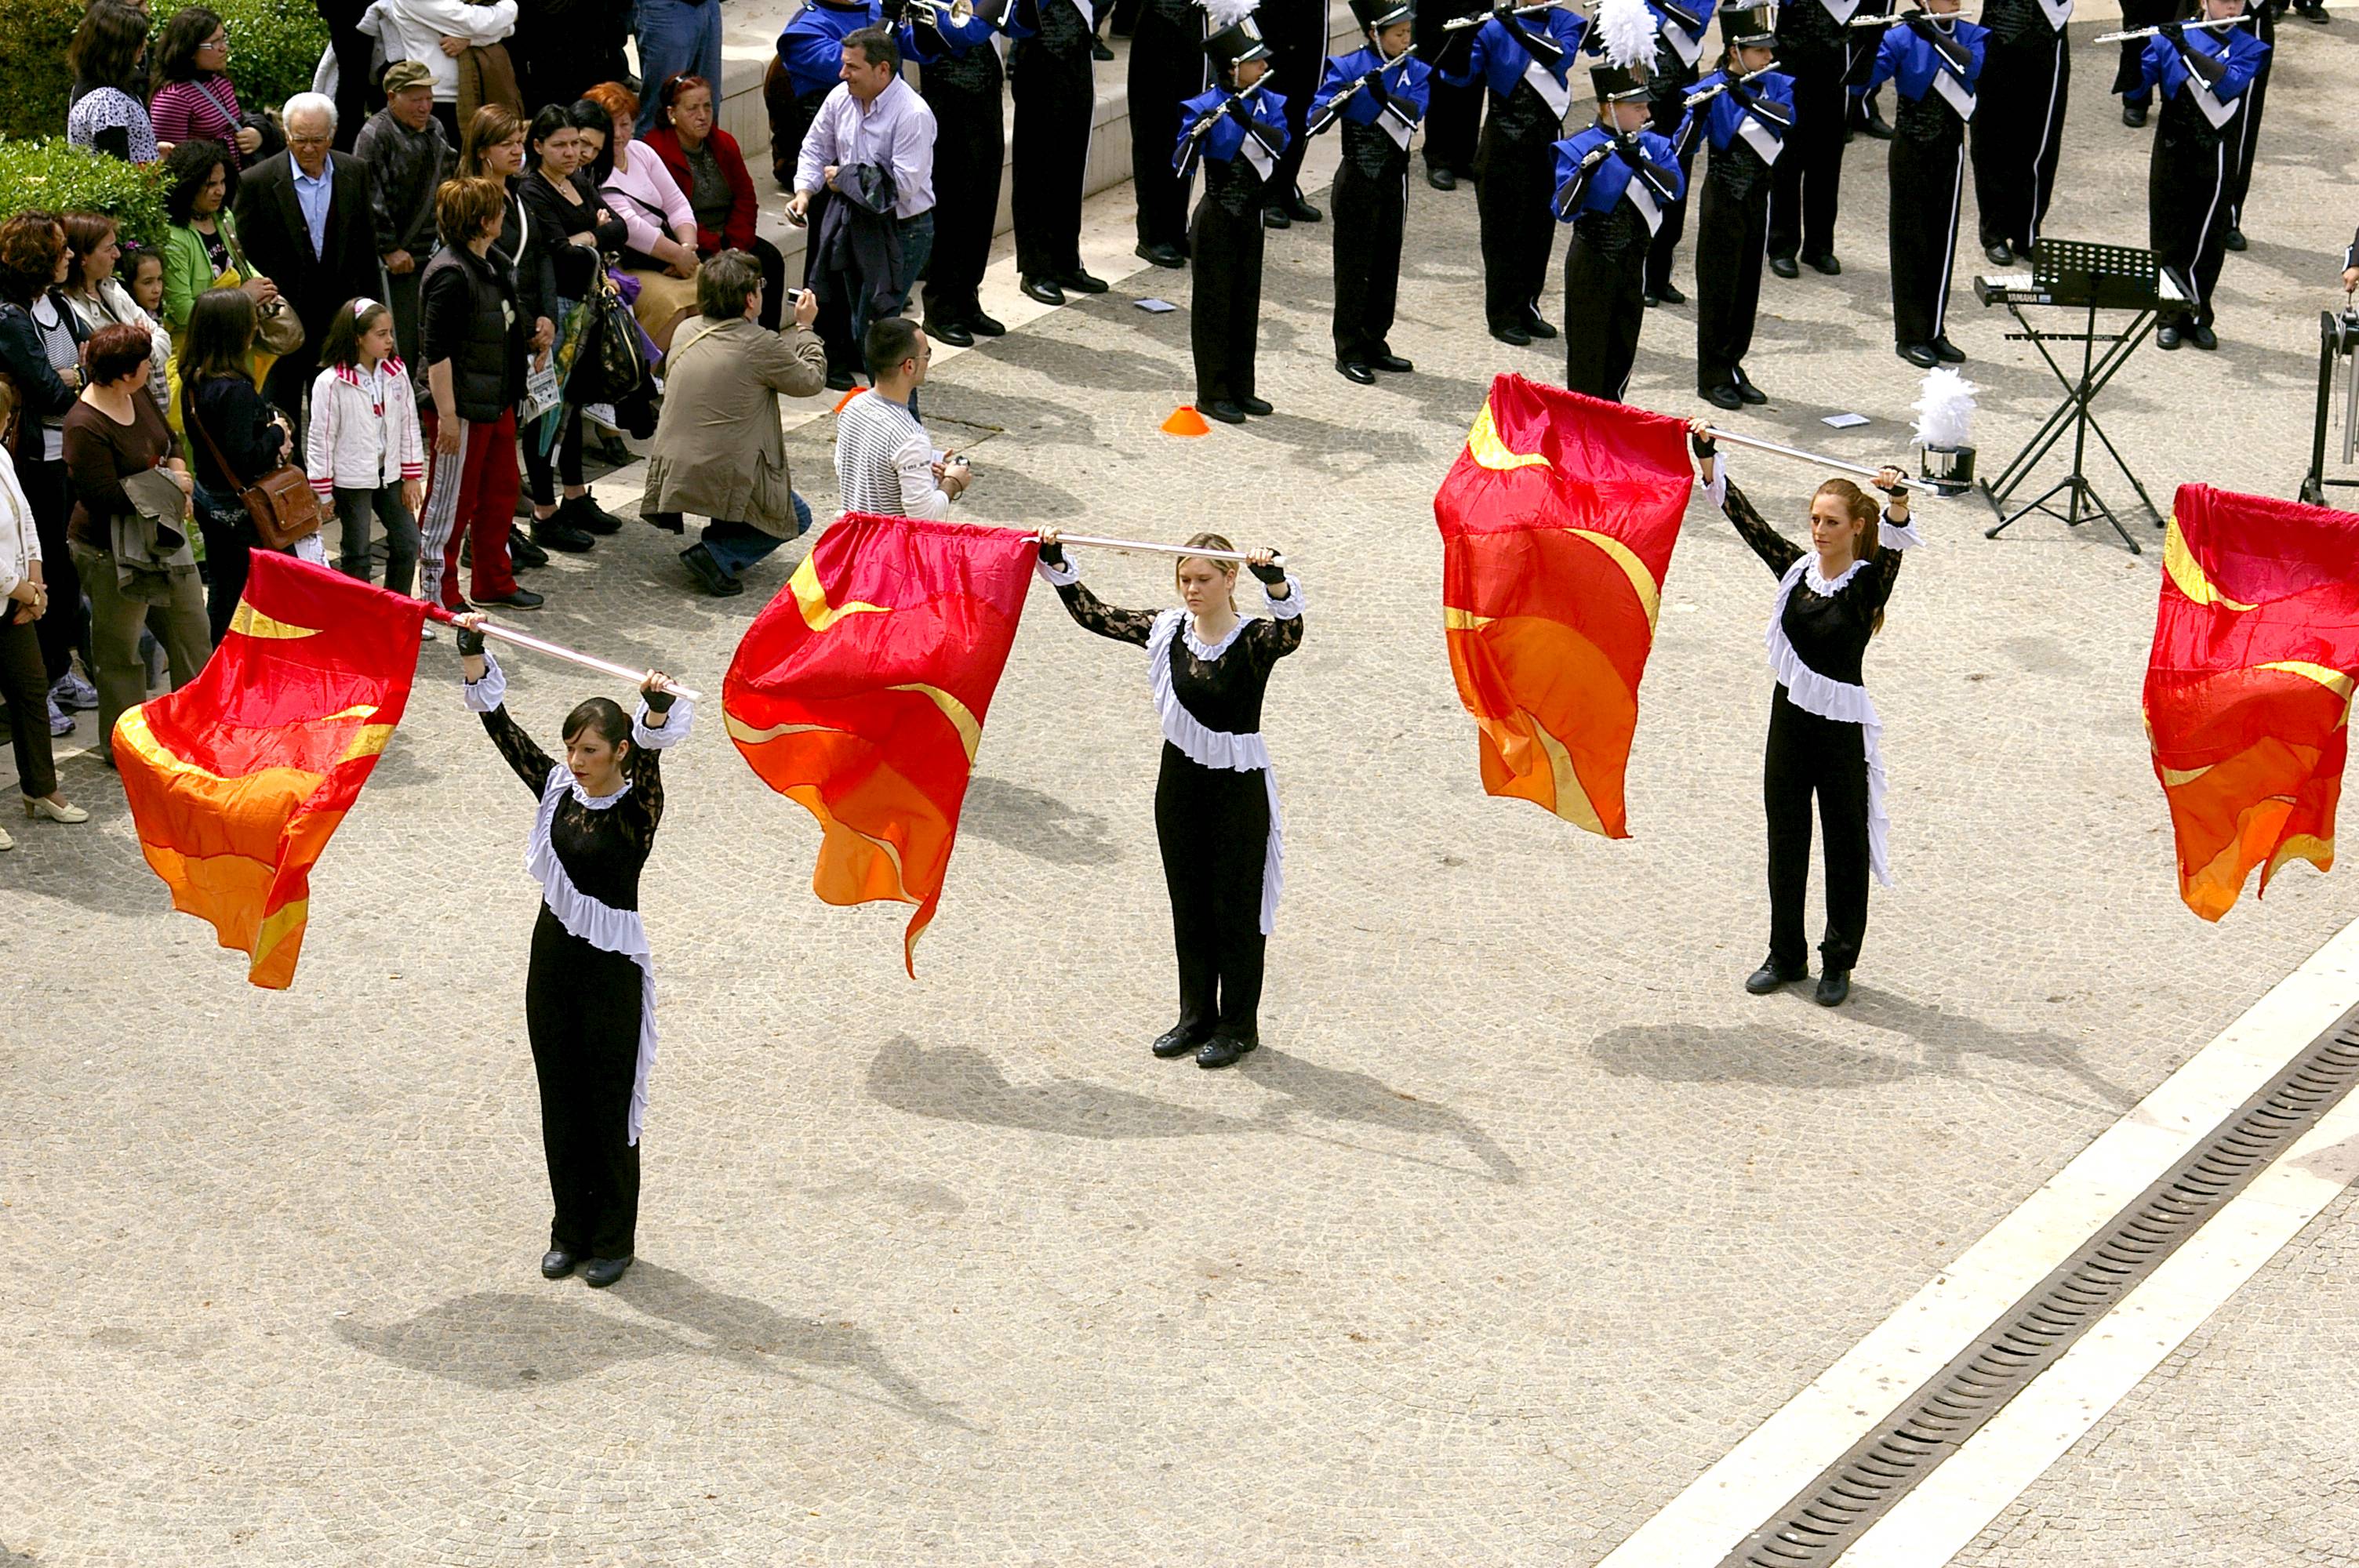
pixel 719 451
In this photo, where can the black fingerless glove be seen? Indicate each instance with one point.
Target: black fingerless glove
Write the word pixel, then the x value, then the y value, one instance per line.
pixel 1272 573
pixel 1052 554
pixel 659 701
pixel 1703 446
pixel 471 641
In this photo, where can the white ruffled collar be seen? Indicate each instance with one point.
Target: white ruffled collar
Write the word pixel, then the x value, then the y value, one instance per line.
pixel 1817 582
pixel 562 774
pixel 1197 646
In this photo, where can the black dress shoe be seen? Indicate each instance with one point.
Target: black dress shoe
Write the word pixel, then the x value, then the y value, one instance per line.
pixel 708 573
pixel 1825 264
pixel 520 599
pixel 1999 252
pixel 1082 281
pixel 553 532
pixel 1352 369
pixel 1721 396
pixel 2314 13
pixel 840 380
pixel 1227 412
pixel 1045 290
pixel 1950 352
pixel 1649 298
pixel 600 1272
pixel 1668 293
pixel 2202 338
pixel 1221 1051
pixel 1275 218
pixel 1510 334
pixel 1772 976
pixel 2234 238
pixel 1256 405
pixel 522 552
pixel 556 1263
pixel 1870 119
pixel 951 332
pixel 1098 51
pixel 2167 338
pixel 2134 115
pixel 1921 355
pixel 583 512
pixel 1301 211
pixel 1389 360
pixel 1533 325
pixel 1161 255
pixel 984 326
pixel 1441 179
pixel 1834 987
pixel 1177 1041
pixel 1747 389
pixel 1784 266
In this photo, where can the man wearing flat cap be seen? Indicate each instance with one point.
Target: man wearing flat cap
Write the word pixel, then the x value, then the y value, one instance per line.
pixel 408 159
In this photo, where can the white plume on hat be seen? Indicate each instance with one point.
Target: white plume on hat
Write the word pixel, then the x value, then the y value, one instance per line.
pixel 1944 409
pixel 1222 14
pixel 1625 30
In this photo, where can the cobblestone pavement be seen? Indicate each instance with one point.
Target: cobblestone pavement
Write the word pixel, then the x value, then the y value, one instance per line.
pixel 1522 1216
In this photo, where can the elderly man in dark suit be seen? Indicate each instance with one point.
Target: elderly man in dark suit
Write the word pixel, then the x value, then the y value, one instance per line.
pixel 305 216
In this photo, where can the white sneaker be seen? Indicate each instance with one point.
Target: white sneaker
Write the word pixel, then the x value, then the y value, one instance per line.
pixel 426 631
pixel 7 842
pixel 70 691
pixel 602 416
pixel 61 721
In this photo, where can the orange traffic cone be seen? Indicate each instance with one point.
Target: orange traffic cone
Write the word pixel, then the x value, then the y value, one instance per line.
pixel 846 398
pixel 1186 421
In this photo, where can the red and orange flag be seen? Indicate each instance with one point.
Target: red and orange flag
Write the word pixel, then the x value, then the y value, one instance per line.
pixel 1557 526
pixel 2248 688
pixel 860 691
pixel 237 779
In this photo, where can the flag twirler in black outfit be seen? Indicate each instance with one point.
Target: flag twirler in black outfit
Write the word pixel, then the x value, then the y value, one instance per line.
pixel 1236 133
pixel 1934 61
pixel 1746 122
pixel 1216 816
pixel 1377 95
pixel 2018 131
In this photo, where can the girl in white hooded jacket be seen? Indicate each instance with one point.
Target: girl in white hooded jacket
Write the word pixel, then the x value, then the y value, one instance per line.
pixel 366 457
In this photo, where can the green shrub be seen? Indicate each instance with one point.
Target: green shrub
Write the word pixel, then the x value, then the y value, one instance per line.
pixel 62 178
pixel 33 38
pixel 273 47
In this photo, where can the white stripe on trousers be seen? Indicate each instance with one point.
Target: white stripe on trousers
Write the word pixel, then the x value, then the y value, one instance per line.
pixel 2039 147
pixel 2195 263
pixel 1950 246
pixel 443 482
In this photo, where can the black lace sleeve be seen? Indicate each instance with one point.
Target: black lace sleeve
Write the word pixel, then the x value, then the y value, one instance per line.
pixel 1776 551
pixel 1271 640
pixel 1873 585
pixel 531 764
pixel 1096 615
pixel 646 807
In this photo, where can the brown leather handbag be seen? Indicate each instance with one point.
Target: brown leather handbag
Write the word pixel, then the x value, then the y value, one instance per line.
pixel 282 503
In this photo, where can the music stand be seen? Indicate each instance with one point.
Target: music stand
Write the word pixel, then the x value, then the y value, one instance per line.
pixel 2100 278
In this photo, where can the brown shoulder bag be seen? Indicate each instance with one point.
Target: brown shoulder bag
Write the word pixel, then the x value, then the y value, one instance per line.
pixel 282 503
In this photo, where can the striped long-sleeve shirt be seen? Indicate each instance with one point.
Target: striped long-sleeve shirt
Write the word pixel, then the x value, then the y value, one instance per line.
pixel 885 463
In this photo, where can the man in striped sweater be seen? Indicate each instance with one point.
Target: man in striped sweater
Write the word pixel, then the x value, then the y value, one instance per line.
pixel 885 463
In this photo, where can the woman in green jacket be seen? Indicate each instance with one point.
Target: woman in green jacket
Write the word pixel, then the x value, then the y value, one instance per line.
pixel 201 249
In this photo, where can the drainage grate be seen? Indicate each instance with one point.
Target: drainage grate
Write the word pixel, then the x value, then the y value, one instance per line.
pixel 1826 1517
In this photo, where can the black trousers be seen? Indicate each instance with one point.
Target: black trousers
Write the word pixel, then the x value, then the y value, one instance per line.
pixel 1810 171
pixel 1925 174
pixel 1215 901
pixel 1515 184
pixel 1731 237
pixel 1166 69
pixel 970 156
pixel 2129 80
pixel 1297 34
pixel 1664 112
pixel 1809 755
pixel 1603 309
pixel 25 682
pixel 2248 142
pixel 2018 131
pixel 1454 115
pixel 582 1010
pixel 2187 189
pixel 774 283
pixel 562 463
pixel 1054 100
pixel 1859 48
pixel 355 52
pixel 1370 212
pixel 1224 306
pixel 59 632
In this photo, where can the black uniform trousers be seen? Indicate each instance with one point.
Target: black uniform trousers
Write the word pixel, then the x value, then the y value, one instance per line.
pixel 2188 182
pixel 1515 192
pixel 970 150
pixel 1604 304
pixel 1732 239
pixel 1665 108
pixel 1860 46
pixel 2248 142
pixel 1215 904
pixel 1224 247
pixel 1371 209
pixel 1927 167
pixel 581 1009
pixel 1810 171
pixel 1166 69
pixel 1054 100
pixel 1809 755
pixel 2130 79
pixel 1297 34
pixel 1454 115
pixel 2018 131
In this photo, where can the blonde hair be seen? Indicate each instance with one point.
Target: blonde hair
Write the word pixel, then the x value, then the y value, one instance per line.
pixel 1228 568
pixel 1861 508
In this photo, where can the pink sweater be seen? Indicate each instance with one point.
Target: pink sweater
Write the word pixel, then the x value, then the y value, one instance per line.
pixel 207 108
pixel 648 194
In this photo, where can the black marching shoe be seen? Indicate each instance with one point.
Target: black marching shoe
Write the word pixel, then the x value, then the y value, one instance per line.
pixel 1921 355
pixel 841 380
pixel 1177 1041
pixel 555 533
pixel 1784 266
pixel 1833 988
pixel 1227 412
pixel 2167 338
pixel 1044 289
pixel 1867 117
pixel 2234 238
pixel 1668 293
pixel 1825 264
pixel 1256 405
pixel 954 333
pixel 600 1272
pixel 1533 325
pixel 1301 211
pixel 1510 333
pixel 520 599
pixel 1441 179
pixel 1352 369
pixel 1950 352
pixel 708 573
pixel 1221 1051
pixel 2314 13
pixel 1769 976
pixel 2202 338
pixel 1082 282
pixel 1999 252
pixel 1275 218
pixel 1160 255
pixel 2134 115
pixel 1098 51
pixel 1649 298
pixel 1389 360
pixel 1726 396
pixel 984 326
pixel 523 554
pixel 1747 389
pixel 556 1262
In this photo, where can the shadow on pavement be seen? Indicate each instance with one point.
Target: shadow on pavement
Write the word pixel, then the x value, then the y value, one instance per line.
pixel 1033 822
pixel 1360 1098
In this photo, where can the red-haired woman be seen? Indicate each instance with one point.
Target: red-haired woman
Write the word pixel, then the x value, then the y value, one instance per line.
pixel 1822 725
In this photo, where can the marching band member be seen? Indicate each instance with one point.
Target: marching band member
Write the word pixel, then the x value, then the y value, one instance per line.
pixel 1237 130
pixel 1166 69
pixel 1813 41
pixel 1216 816
pixel 2203 74
pixel 1296 32
pixel 2018 131
pixel 1524 54
pixel 960 78
pixel 1862 117
pixel 2129 78
pixel 1454 117
pixel 589 993
pixel 1747 121
pixel 2260 21
pixel 1377 94
pixel 1936 60
pixel 1680 26
pixel 1614 182
pixel 1050 76
pixel 1823 729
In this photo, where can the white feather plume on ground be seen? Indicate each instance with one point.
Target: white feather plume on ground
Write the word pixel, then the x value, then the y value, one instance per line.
pixel 1944 409
pixel 1625 30
pixel 1220 15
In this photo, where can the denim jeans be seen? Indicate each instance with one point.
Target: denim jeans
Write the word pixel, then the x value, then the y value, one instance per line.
pixel 676 36
pixel 917 245
pixel 733 547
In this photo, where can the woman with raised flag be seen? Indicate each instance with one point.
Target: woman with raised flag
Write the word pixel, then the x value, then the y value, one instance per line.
pixel 1216 816
pixel 1822 725
pixel 1237 130
pixel 589 994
